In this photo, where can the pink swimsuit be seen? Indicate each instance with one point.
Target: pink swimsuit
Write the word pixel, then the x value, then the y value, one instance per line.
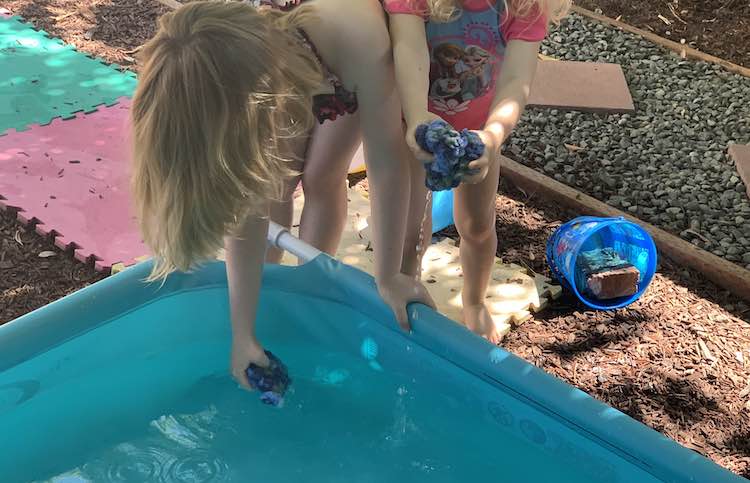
pixel 466 55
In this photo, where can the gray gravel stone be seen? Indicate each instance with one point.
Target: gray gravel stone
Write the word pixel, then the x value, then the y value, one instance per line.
pixel 733 250
pixel 667 161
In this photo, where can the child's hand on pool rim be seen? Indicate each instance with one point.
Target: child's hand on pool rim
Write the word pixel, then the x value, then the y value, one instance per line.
pixel 244 353
pixel 400 290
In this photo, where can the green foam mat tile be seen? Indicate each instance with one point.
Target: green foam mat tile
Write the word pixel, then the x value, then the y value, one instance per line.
pixel 42 78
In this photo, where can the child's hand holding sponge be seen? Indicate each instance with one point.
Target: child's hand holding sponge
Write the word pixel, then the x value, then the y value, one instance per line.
pixel 453 151
pixel 271 381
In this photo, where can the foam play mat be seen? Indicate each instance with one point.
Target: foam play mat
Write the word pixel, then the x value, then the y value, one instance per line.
pixel 71 177
pixel 42 78
pixel 63 144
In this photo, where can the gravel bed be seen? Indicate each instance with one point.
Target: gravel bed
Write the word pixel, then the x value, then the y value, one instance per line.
pixel 666 163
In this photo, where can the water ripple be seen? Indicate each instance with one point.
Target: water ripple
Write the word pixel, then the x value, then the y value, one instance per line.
pixel 198 467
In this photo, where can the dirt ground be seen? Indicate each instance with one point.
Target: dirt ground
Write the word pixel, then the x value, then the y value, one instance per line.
pixel 717 27
pixel 678 360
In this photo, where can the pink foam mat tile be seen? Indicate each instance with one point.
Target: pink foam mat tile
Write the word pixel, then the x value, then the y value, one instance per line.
pixel 71 176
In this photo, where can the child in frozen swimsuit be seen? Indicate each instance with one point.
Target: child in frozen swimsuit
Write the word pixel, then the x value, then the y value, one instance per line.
pixel 224 102
pixel 510 34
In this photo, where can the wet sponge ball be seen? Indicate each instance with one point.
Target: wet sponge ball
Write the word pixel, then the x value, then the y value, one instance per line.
pixel 453 151
pixel 271 381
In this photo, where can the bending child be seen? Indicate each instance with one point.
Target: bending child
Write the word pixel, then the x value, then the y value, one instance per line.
pixel 225 103
pixel 500 43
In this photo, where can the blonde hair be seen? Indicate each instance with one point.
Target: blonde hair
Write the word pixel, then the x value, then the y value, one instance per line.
pixel 220 85
pixel 553 10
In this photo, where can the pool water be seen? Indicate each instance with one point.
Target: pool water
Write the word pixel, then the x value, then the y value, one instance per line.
pixel 147 397
pixel 337 426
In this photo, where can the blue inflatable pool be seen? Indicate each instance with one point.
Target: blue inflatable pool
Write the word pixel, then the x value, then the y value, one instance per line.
pixel 124 381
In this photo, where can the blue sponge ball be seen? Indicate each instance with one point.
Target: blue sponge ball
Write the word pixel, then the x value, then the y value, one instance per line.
pixel 271 381
pixel 453 151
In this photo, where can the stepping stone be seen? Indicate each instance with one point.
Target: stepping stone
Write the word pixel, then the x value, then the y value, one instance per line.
pixel 514 292
pixel 71 177
pixel 42 78
pixel 581 86
pixel 741 155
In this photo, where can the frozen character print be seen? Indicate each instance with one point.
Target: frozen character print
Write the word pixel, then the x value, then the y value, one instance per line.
pixel 447 57
pixel 475 79
pixel 446 88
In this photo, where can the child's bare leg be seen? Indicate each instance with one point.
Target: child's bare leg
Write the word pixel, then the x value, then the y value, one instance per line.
pixel 324 182
pixel 282 212
pixel 475 221
pixel 419 220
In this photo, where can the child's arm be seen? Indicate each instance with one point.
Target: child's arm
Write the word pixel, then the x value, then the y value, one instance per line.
pixel 244 260
pixel 412 62
pixel 386 156
pixel 511 95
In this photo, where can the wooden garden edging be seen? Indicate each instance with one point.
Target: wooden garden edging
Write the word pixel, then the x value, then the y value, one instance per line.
pixel 683 50
pixel 720 271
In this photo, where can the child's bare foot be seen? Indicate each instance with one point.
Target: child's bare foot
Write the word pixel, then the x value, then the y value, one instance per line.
pixel 478 319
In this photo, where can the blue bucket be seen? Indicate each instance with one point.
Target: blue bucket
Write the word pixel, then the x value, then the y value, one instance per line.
pixel 631 242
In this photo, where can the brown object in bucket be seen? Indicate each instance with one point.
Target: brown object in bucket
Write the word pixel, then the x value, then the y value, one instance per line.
pixel 612 284
pixel 608 275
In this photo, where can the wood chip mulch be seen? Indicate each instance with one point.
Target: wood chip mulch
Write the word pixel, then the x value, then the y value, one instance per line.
pixel 111 30
pixel 33 272
pixel 717 27
pixel 678 360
